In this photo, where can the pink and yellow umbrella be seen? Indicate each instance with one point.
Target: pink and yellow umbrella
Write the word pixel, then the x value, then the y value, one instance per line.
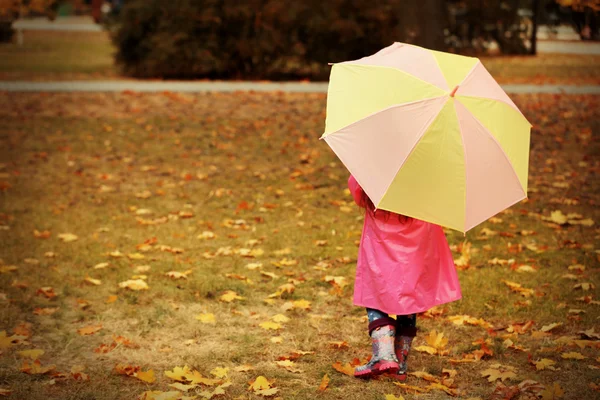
pixel 428 134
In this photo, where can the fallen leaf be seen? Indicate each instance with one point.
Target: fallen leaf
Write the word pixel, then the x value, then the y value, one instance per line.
pixel 392 397
pixel 92 281
pixel 47 291
pixel 498 371
pixel 324 383
pixel 573 356
pixel 288 365
pixel 206 318
pixel 270 325
pixel 33 354
pixel 346 369
pixel 220 372
pixel 553 392
pixel 89 330
pixel 67 237
pixel 230 296
pixel 548 328
pixel 134 284
pixel 36 368
pixel 179 373
pixel 146 376
pixel 544 363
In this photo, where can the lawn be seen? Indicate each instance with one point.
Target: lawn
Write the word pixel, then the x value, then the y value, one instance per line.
pixel 236 218
pixel 48 56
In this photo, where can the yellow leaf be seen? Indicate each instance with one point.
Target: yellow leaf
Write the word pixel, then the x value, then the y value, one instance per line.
pixel 220 372
pixel 573 355
pixel 206 318
pixel 4 269
pixel 206 235
pixel 548 328
pixel 346 369
pixel 392 397
pixel 89 330
pixel 270 325
pixel 178 275
pixel 93 281
pixel 182 387
pixel 526 268
pixel 439 386
pixel 553 392
pixel 33 354
pixel 36 368
pixel 426 349
pixel 196 377
pixel 499 372
pixel 280 318
pixel 179 373
pixel 134 284
pixel 136 256
pixel 426 376
pixel 146 376
pixel 585 286
pixel 158 395
pixel 267 392
pixel 230 296
pixel 324 383
pixel 544 363
pixel 302 304
pixel 67 237
pixel 260 383
pixel 276 339
pixel 557 217
pixel 288 364
pixel 436 340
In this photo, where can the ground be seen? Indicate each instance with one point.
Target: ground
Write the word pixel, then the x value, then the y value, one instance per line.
pixel 198 195
pixel 237 219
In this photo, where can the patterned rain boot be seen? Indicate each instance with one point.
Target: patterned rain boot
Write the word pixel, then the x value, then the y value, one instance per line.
pixel 404 338
pixel 382 332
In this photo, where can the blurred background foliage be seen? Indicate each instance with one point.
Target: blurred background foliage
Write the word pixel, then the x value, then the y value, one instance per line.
pixel 277 39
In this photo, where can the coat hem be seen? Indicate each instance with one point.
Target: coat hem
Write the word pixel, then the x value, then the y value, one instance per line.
pixel 409 311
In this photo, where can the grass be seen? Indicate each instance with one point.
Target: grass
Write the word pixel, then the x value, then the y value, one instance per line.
pixel 80 163
pixel 89 56
pixel 58 56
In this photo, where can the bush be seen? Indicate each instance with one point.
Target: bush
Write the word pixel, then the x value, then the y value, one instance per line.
pixel 282 39
pixel 249 39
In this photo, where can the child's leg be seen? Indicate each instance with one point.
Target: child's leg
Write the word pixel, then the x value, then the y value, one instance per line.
pixel 374 314
pixel 382 331
pixel 406 330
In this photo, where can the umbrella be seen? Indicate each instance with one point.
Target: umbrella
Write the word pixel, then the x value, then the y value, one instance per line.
pixel 428 134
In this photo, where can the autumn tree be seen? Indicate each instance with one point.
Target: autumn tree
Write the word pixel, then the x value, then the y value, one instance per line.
pixel 11 10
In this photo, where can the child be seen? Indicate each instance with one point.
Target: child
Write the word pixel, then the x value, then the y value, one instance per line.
pixel 404 267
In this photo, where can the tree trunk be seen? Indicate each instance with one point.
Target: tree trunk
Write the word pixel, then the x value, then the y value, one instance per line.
pixel 423 23
pixel 534 20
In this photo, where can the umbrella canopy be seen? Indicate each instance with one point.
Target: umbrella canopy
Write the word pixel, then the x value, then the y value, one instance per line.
pixel 428 134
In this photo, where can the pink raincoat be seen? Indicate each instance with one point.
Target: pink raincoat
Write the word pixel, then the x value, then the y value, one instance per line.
pixel 403 267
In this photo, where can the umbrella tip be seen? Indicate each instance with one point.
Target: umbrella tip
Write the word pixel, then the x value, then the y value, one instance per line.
pixel 454 91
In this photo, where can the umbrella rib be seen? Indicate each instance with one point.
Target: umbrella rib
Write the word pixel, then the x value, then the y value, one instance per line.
pixel 499 101
pixel 420 137
pixel 378 112
pixel 464 149
pixel 469 73
pixel 395 69
pixel 499 146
